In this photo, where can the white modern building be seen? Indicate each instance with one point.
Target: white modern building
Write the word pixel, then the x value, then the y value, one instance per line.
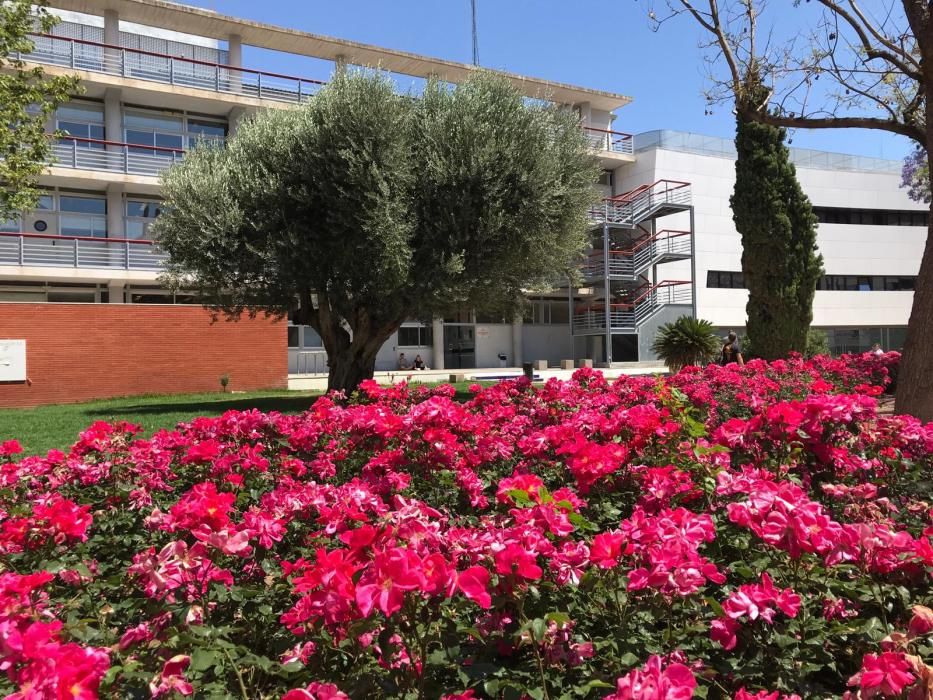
pixel 158 76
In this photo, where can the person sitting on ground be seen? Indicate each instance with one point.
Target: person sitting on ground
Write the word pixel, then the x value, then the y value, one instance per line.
pixel 403 362
pixel 419 363
pixel 876 349
pixel 732 350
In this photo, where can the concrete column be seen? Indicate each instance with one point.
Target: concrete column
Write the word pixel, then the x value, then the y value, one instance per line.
pixel 235 51
pixel 517 358
pixel 112 27
pixel 234 117
pixel 115 292
pixel 235 58
pixel 113 58
pixel 437 327
pixel 116 225
pixel 113 118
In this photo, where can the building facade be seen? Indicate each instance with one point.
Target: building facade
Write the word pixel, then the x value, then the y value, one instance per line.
pixel 157 77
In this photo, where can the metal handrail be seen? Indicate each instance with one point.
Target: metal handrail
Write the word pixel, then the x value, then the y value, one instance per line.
pixel 646 251
pixel 104 142
pixel 113 59
pixel 113 156
pixel 49 250
pixel 629 208
pixel 608 140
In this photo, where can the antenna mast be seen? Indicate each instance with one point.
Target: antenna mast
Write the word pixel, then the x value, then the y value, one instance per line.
pixel 475 40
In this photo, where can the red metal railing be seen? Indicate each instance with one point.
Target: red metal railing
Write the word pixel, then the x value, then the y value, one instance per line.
pixel 608 140
pixel 50 250
pixel 95 56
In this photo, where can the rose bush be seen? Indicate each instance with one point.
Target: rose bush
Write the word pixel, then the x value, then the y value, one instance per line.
pixel 746 533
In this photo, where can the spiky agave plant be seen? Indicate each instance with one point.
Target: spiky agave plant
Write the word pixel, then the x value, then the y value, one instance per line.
pixel 686 341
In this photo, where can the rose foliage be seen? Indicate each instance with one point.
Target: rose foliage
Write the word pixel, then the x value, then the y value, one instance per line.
pixel 755 533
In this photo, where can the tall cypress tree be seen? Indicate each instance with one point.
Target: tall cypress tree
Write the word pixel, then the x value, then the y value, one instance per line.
pixel 780 262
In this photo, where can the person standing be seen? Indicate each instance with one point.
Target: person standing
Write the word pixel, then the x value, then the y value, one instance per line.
pixel 732 350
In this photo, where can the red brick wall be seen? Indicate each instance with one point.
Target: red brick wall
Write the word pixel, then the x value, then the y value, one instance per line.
pixel 77 352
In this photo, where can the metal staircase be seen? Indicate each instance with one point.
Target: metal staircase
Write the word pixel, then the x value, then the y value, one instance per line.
pixel 642 204
pixel 626 316
pixel 628 263
pixel 621 291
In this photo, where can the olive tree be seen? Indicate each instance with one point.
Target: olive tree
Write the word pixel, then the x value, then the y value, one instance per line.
pixel 28 96
pixel 366 207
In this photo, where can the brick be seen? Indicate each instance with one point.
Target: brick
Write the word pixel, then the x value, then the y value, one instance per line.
pixel 79 352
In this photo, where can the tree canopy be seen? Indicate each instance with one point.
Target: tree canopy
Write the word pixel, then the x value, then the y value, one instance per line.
pixel 27 98
pixel 835 64
pixel 780 264
pixel 369 208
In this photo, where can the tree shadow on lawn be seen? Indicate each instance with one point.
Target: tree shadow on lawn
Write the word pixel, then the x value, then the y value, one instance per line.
pixel 266 404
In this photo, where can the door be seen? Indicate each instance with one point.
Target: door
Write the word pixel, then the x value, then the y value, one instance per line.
pixel 459 347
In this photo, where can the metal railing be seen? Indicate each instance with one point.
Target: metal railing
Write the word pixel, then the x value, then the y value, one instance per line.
pixel 97 57
pixel 45 250
pixel 647 251
pixel 607 140
pixel 113 156
pixel 628 316
pixel 642 203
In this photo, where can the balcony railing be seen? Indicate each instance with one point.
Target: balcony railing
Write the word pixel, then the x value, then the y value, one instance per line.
pixel 96 57
pixel 647 251
pixel 643 203
pixel 113 156
pixel 606 140
pixel 628 316
pixel 44 250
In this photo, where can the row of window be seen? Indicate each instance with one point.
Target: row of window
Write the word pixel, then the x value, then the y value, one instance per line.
pixel 728 279
pixel 166 130
pixel 90 294
pixel 870 217
pixel 70 213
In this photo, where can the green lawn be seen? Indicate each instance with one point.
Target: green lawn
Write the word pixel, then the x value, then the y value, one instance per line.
pixel 41 429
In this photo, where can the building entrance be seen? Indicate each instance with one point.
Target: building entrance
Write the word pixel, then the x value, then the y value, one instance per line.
pixel 459 347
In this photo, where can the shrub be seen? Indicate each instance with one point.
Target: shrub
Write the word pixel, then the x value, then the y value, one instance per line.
pixel 817 343
pixel 686 341
pixel 728 532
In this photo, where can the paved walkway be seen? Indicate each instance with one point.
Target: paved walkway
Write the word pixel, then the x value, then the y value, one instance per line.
pixel 318 382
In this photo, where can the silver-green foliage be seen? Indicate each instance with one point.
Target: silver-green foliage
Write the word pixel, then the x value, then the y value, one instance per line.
pixel 372 207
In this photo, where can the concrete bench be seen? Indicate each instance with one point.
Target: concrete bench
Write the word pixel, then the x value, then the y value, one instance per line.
pixel 566 364
pixel 456 378
pixel 585 363
pixel 540 364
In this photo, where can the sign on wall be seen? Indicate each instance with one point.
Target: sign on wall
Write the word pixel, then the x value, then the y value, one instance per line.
pixel 12 360
pixel 482 332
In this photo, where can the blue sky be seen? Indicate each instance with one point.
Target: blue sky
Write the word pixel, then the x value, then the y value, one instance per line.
pixel 606 45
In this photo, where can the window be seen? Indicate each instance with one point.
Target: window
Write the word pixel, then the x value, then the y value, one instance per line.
pixel 416 336
pixel 140 214
pixel 145 129
pixel 202 130
pixel 870 217
pixel 294 333
pixel 724 279
pixel 551 312
pixel 82 216
pixel 84 121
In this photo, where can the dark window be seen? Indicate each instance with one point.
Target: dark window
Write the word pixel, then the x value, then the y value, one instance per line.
pixel 293 336
pixel 726 279
pixel 870 217
pixel 415 336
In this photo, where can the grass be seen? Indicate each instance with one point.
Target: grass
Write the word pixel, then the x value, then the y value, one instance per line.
pixel 44 428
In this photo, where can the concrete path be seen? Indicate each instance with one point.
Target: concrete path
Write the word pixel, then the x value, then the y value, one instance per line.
pixel 318 382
